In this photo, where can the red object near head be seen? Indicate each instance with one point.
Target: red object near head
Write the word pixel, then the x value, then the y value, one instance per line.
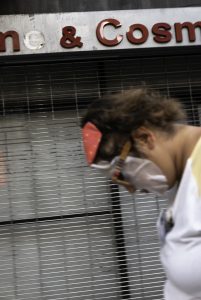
pixel 91 139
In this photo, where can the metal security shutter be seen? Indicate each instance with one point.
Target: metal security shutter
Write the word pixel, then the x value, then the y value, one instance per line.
pixel 65 231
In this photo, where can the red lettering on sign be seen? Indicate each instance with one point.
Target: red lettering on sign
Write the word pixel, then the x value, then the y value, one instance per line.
pixel 69 40
pixel 136 34
pixel 161 32
pixel 144 32
pixel 15 37
pixel 100 32
pixel 190 28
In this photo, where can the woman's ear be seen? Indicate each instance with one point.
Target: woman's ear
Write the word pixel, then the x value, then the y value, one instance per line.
pixel 144 137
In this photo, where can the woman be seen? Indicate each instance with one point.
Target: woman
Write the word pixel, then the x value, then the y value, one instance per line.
pixel 138 138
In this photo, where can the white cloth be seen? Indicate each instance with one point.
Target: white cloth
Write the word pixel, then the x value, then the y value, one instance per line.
pixel 181 251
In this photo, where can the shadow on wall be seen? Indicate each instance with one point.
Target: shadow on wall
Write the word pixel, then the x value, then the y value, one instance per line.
pixel 55 6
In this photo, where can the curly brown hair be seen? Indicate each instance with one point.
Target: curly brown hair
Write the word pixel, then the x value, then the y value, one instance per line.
pixel 117 115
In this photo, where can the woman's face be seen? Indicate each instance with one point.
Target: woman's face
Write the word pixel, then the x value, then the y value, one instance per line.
pixel 143 175
pixel 149 165
pixel 151 168
pixel 158 147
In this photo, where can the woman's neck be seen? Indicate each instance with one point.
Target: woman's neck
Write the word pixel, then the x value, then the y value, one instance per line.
pixel 186 138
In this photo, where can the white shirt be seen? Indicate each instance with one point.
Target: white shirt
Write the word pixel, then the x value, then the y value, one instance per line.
pixel 181 252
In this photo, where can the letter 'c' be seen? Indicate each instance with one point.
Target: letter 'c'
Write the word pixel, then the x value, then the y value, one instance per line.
pixel 100 32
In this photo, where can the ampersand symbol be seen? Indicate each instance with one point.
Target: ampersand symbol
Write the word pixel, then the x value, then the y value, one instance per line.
pixel 69 40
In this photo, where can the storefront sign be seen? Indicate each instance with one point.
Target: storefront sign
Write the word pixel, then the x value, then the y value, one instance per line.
pixel 89 31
